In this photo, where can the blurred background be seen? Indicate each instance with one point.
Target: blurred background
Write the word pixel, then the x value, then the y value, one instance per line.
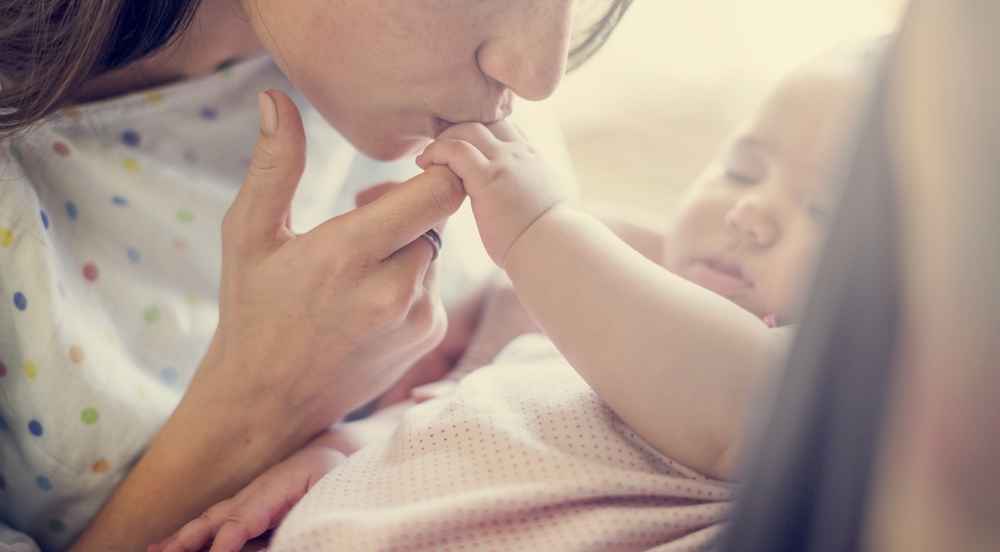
pixel 645 114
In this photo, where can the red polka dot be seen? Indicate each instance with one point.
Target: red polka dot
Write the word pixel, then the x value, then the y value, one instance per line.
pixel 3 369
pixel 90 272
pixel 61 148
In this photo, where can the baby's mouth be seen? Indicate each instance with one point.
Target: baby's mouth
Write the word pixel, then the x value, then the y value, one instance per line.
pixel 721 275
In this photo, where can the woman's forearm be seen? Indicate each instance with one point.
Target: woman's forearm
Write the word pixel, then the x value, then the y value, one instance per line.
pixel 206 452
pixel 675 361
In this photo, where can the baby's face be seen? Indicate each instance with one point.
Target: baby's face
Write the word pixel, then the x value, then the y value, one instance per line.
pixel 751 225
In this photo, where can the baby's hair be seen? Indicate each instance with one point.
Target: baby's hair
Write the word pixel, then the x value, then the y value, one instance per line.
pixel 50 48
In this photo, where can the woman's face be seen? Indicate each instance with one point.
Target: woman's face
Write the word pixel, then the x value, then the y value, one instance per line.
pixel 391 74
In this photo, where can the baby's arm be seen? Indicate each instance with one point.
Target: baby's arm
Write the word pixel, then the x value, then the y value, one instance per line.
pixel 678 363
pixel 265 502
pixel 643 231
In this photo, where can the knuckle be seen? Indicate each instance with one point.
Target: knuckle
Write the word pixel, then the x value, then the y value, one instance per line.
pixel 447 193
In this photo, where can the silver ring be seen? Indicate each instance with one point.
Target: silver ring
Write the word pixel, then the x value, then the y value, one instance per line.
pixel 434 238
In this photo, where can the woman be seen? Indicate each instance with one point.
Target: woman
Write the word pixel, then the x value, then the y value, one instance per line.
pixel 110 274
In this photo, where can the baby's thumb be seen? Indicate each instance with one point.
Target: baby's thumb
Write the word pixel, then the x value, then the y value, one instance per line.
pixel 263 206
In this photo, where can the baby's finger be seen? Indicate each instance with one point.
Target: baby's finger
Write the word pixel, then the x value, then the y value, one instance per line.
pixel 196 533
pixel 463 158
pixel 433 390
pixel 251 519
pixel 476 134
pixel 506 131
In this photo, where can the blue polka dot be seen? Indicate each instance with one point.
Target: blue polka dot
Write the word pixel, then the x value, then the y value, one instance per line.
pixel 71 211
pixel 119 200
pixel 168 374
pixel 44 483
pixel 3 424
pixel 35 427
pixel 20 301
pixel 131 138
pixel 133 255
pixel 209 113
pixel 45 220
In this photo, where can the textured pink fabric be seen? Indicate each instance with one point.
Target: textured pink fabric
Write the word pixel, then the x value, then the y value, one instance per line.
pixel 524 456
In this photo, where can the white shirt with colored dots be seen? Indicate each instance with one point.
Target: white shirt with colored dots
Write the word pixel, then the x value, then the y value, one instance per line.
pixel 522 456
pixel 110 251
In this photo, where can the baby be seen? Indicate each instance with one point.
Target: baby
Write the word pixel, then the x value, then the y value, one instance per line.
pixel 624 431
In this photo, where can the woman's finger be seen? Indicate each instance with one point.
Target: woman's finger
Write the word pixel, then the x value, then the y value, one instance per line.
pixel 369 195
pixel 397 218
pixel 262 209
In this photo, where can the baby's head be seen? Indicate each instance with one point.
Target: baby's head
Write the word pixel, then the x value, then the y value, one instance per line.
pixel 751 225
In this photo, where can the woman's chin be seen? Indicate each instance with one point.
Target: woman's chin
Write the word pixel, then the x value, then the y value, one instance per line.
pixel 395 149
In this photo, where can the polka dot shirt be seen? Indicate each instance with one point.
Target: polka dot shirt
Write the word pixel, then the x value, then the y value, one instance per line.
pixel 523 456
pixel 110 249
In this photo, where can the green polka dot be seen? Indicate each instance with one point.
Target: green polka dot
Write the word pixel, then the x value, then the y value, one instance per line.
pixel 151 314
pixel 154 97
pixel 56 525
pixel 132 165
pixel 185 216
pixel 89 416
pixel 16 154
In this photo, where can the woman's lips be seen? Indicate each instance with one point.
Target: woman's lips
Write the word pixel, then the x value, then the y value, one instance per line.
pixel 722 276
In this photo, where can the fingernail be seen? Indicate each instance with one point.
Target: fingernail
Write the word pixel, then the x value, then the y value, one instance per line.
pixel 268 114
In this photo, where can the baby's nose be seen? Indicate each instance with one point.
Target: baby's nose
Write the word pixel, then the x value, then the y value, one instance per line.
pixel 752 217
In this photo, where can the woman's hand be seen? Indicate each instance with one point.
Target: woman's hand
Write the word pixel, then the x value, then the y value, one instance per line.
pixel 311 327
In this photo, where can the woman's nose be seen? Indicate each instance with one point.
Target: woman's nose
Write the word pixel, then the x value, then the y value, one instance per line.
pixel 528 55
pixel 752 217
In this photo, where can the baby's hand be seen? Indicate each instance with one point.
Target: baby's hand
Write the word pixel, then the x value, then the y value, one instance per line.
pixel 509 184
pixel 258 507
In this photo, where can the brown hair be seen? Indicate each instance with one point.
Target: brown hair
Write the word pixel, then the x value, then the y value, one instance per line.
pixel 50 48
pixel 589 37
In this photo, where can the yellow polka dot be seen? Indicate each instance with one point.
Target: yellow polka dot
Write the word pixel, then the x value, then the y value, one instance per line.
pixel 110 336
pixel 132 165
pixel 154 97
pixel 30 369
pixel 73 113
pixel 141 391
pixel 76 354
pixel 6 237
pixel 193 301
pixel 100 466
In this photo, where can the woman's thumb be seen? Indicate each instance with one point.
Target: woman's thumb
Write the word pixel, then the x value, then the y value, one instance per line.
pixel 263 206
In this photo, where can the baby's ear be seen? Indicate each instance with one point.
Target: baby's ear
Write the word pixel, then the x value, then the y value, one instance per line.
pixel 369 195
